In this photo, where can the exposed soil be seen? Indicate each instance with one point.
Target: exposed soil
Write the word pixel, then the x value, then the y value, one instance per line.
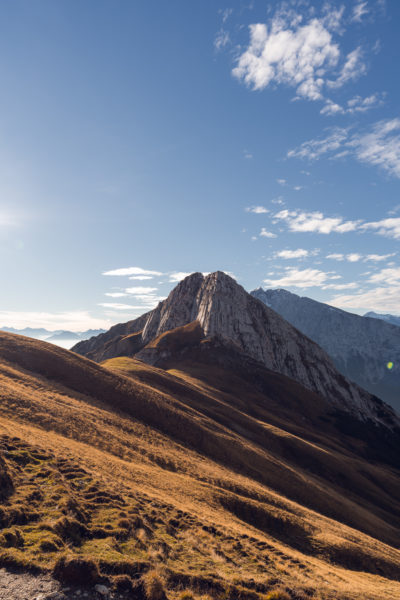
pixel 23 586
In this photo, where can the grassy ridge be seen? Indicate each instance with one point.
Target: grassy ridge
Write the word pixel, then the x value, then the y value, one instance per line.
pixel 93 477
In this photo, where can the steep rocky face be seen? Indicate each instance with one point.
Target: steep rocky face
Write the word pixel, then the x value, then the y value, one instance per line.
pixel 360 347
pixel 224 309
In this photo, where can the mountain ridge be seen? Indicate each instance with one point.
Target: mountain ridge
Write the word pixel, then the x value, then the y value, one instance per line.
pixel 223 308
pixel 360 346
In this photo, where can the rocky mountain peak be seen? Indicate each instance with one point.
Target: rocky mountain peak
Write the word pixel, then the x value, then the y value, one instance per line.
pixel 225 310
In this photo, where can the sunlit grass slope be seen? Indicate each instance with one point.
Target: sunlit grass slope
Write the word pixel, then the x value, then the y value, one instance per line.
pixel 219 487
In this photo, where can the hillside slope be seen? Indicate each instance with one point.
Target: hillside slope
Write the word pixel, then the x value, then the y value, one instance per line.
pixel 225 480
pixel 361 347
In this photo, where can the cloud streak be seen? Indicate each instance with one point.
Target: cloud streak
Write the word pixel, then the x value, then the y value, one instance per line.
pixel 131 271
pixel 379 146
pixel 307 278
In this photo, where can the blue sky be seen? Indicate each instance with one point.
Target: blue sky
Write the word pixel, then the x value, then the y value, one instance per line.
pixel 161 138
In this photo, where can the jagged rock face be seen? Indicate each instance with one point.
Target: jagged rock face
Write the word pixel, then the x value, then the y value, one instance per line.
pixel 360 347
pixel 224 309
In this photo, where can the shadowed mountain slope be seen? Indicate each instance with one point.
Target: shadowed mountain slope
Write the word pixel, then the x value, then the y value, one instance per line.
pixel 223 308
pixel 232 478
pixel 360 347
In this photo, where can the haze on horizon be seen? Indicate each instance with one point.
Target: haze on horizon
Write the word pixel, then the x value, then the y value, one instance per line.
pixel 145 141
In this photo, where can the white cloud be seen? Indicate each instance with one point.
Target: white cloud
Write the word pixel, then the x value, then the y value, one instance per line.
pixel 336 256
pixel 258 210
pixel 388 276
pixel 141 277
pixel 290 51
pixel 340 286
pixel 302 278
pixel 379 146
pixel 384 295
pixel 359 11
pixel 226 13
pixel 116 294
pixel 384 299
pixel 287 254
pixel 352 69
pixel 140 290
pixel 267 234
pixel 281 181
pixel 131 271
pixel 389 227
pixel 357 104
pixel 178 276
pixel 315 222
pixel 247 155
pixel 314 149
pixel 76 320
pixel 278 200
pixel 331 108
pixel 354 257
pixel 222 39
pixel 394 210
pixel 378 257
pixel 117 306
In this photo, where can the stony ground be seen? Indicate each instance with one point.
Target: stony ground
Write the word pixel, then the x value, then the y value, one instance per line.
pixel 22 586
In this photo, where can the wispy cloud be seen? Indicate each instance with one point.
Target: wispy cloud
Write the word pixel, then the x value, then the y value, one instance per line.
pixel 359 10
pixel 352 69
pixel 268 234
pixel 314 222
pixel 389 276
pixel 379 146
pixel 288 254
pixel 387 227
pixel 75 320
pixel 258 210
pixel 357 104
pixel 380 299
pixel 115 294
pixel 305 278
pixel 383 296
pixel 178 276
pixel 140 290
pixel 117 306
pixel 131 271
pixel 355 257
pixel 221 39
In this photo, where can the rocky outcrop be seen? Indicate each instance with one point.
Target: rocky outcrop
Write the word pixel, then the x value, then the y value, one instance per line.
pixel 223 308
pixel 360 347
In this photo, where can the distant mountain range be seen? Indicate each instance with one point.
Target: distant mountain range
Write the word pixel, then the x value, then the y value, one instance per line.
pixel 59 337
pixel 388 318
pixel 364 349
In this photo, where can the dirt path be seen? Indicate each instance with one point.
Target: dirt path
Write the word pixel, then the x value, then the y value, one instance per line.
pixel 22 586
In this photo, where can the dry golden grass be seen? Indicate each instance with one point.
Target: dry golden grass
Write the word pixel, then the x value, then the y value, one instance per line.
pixel 105 481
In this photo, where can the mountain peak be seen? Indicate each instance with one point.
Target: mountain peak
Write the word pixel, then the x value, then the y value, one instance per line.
pixel 224 310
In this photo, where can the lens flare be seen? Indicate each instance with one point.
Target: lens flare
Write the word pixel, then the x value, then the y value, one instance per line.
pixel 390 366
